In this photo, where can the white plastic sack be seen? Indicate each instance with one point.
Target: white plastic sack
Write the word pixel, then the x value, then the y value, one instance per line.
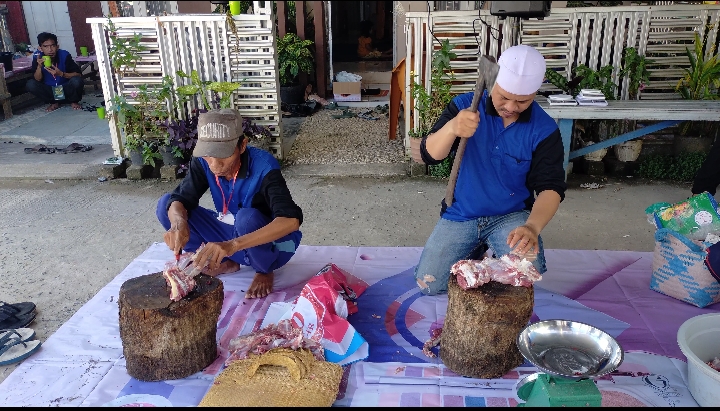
pixel 345 77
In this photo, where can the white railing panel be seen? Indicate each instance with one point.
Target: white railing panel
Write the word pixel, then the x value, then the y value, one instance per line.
pixel 205 43
pixel 661 33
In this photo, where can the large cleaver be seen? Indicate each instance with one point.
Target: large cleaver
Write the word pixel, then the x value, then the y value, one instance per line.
pixel 487 73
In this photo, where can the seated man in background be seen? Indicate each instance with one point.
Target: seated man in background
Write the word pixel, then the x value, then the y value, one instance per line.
pixel 366 49
pixel 255 221
pixel 60 83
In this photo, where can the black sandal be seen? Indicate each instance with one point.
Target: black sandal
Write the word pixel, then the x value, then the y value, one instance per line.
pixel 11 318
pixel 40 148
pixel 19 308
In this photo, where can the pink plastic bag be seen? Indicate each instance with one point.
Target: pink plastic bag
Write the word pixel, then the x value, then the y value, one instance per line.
pixel 321 310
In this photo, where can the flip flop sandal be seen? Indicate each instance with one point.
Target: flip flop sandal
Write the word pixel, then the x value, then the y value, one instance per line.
pixel 23 334
pixel 16 350
pixel 76 148
pixel 367 116
pixel 40 148
pixel 345 114
pixel 10 320
pixel 19 308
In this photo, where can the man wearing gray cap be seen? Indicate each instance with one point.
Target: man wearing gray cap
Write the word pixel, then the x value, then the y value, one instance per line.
pixel 255 221
pixel 514 152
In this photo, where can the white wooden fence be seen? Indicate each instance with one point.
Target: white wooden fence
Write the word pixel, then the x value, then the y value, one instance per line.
pixel 202 42
pixel 594 36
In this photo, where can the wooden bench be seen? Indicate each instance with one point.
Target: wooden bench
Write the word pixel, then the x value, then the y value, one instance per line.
pixel 667 112
pixel 20 71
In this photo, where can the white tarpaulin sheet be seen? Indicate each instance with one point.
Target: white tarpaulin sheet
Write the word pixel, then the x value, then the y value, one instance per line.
pixel 82 364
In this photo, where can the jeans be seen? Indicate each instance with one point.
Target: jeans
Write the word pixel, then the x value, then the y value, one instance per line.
pixel 452 241
pixel 206 228
pixel 73 89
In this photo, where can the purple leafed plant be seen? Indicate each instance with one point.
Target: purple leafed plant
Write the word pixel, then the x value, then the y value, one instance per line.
pixel 254 131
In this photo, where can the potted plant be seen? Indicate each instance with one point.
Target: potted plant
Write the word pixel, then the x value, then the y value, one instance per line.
pixel 141 120
pixel 634 66
pixel 430 105
pixel 294 57
pixel 181 139
pixel 222 91
pixel 583 77
pixel 700 82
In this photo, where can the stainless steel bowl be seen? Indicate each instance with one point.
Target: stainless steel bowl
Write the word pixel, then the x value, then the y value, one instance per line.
pixel 569 349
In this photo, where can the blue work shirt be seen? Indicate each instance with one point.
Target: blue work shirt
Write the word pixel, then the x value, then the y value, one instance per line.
pixel 502 166
pixel 259 184
pixel 63 61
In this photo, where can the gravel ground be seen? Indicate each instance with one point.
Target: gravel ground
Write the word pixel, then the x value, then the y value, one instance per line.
pixel 323 139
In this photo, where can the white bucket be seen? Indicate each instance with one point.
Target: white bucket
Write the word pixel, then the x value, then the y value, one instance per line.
pixel 596 155
pixel 628 151
pixel 698 339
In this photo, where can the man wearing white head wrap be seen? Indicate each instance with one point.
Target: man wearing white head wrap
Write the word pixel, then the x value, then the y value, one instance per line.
pixel 513 154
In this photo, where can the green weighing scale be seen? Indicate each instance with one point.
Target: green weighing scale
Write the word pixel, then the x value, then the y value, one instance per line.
pixel 570 354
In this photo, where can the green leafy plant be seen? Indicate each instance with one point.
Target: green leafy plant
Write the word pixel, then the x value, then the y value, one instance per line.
pixel 202 88
pixel 685 166
pixel 582 77
pixel 634 66
pixel 124 52
pixel 700 82
pixel 431 104
pixel 294 57
pixel 682 167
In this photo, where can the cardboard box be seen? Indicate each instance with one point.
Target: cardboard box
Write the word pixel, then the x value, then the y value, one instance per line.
pixel 347 91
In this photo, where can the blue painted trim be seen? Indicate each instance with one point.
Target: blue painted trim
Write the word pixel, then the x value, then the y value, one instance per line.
pixel 622 138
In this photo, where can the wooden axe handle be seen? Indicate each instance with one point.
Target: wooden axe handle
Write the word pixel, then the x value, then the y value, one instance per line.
pixel 450 191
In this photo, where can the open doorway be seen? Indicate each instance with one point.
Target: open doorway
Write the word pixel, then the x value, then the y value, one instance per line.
pixel 349 20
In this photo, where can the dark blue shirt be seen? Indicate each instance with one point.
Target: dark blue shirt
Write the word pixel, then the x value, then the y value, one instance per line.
pixel 502 167
pixel 259 184
pixel 63 61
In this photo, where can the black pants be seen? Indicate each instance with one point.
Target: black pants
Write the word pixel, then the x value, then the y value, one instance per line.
pixel 73 89
pixel 708 176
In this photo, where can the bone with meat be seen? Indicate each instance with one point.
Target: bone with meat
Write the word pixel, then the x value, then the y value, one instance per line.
pixel 509 269
pixel 180 274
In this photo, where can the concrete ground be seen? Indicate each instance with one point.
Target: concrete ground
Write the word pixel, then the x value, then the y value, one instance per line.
pixel 65 235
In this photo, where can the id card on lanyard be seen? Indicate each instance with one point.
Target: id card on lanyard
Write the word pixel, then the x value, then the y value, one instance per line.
pixel 58 91
pixel 224 216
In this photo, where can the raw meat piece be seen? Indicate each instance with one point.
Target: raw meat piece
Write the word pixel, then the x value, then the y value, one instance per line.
pixel 433 341
pixel 180 283
pixel 509 269
pixel 179 275
pixel 714 364
pixel 283 334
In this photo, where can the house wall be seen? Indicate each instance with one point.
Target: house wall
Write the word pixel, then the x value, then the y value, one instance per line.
pixel 195 7
pixel 79 11
pixel 16 23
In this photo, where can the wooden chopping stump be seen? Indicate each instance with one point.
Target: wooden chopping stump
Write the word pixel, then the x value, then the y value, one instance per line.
pixel 166 340
pixel 481 328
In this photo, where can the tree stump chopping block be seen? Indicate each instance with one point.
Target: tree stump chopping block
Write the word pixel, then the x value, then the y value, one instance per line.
pixel 481 328
pixel 166 340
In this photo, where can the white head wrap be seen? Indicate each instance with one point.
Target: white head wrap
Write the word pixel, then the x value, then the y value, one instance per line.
pixel 522 70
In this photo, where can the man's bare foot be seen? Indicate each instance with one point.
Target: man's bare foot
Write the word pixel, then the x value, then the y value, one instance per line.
pixel 261 286
pixel 227 266
pixel 53 107
pixel 76 106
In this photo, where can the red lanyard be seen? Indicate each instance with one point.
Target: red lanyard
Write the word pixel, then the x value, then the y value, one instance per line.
pixel 232 188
